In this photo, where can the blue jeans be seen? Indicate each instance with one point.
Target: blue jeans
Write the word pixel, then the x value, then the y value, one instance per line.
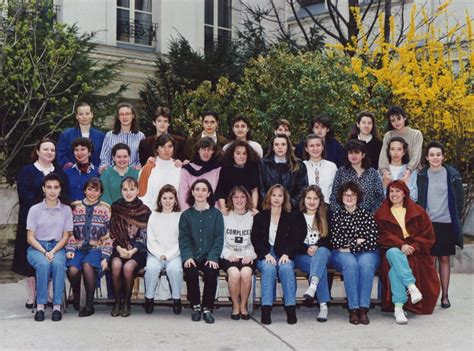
pixel 44 269
pixel 400 275
pixel 269 273
pixel 316 265
pixel 358 270
pixel 174 271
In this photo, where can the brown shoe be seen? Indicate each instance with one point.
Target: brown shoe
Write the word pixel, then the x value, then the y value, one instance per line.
pixel 363 318
pixel 354 316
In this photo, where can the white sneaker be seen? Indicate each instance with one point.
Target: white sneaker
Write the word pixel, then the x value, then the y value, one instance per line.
pixel 400 316
pixel 323 314
pixel 415 294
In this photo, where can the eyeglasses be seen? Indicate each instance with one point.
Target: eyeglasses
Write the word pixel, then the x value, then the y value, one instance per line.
pixel 347 196
pixel 126 114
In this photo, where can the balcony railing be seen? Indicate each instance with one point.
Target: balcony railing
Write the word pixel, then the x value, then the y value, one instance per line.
pixel 136 32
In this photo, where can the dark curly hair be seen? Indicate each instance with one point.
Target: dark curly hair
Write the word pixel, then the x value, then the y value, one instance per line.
pixel 228 156
pixel 395 111
pixel 324 120
pixel 351 185
pixel 82 142
pixel 357 146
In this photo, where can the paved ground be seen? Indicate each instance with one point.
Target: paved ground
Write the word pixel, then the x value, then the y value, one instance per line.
pixel 451 329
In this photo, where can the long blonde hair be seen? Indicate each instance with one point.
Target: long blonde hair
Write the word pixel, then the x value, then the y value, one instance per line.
pixel 266 204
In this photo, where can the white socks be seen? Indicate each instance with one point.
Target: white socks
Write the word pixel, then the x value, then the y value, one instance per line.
pixel 311 291
pixel 323 312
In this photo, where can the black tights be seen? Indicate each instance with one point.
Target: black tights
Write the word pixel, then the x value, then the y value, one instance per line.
pixel 89 274
pixel 123 276
pixel 444 274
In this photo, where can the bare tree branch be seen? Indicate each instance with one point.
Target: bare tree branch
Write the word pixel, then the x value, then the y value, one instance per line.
pixel 342 39
pixel 333 9
pixel 366 11
pixel 320 25
pixel 372 26
pixel 280 23
pixel 292 5
pixel 402 25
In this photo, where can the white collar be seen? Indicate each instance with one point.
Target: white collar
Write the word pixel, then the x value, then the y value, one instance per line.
pixel 366 140
pixel 45 171
pixel 203 209
pixel 279 159
pixel 213 136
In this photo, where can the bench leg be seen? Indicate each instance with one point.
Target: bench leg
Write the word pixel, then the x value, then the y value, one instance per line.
pixel 251 299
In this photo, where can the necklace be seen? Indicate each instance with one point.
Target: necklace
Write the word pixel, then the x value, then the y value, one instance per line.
pixel 316 166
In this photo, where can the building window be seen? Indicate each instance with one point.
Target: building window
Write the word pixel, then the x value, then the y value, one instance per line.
pixel 310 2
pixel 134 22
pixel 217 22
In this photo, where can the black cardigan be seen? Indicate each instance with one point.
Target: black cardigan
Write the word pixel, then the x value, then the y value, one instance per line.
pixel 301 230
pixel 286 242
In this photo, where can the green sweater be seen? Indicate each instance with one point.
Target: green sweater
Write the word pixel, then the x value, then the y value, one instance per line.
pixel 111 181
pixel 201 234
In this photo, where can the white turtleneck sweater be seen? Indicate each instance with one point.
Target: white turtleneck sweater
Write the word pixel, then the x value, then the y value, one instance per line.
pixel 164 172
pixel 162 234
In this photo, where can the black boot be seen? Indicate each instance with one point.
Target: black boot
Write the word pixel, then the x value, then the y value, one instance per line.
pixel 177 307
pixel 116 309
pixel 149 305
pixel 291 314
pixel 266 315
pixel 125 312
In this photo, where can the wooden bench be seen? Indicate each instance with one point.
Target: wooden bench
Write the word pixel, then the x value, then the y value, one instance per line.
pixel 222 294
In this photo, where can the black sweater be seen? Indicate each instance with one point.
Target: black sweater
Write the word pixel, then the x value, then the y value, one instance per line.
pixel 286 242
pixel 231 176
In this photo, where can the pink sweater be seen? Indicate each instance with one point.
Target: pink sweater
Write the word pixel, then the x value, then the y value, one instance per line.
pixel 187 180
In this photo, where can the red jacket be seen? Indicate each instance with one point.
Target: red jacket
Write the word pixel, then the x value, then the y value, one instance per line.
pixel 422 238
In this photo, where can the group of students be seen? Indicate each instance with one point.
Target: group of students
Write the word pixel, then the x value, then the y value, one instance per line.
pixel 206 203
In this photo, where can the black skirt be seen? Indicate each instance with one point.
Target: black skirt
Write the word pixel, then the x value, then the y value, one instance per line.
pixel 139 257
pixel 20 262
pixel 445 244
pixel 226 264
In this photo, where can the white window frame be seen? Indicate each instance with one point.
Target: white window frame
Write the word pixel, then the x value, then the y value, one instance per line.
pixel 215 26
pixel 132 12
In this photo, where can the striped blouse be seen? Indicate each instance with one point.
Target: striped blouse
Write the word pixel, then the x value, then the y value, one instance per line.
pixel 129 138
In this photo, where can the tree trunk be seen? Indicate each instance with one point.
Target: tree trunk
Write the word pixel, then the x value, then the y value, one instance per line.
pixel 352 28
pixel 386 25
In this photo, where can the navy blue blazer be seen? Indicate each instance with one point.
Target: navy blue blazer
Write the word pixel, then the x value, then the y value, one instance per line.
pixel 65 154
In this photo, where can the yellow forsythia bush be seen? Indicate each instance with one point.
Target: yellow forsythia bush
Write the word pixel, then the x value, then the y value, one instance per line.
pixel 428 76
